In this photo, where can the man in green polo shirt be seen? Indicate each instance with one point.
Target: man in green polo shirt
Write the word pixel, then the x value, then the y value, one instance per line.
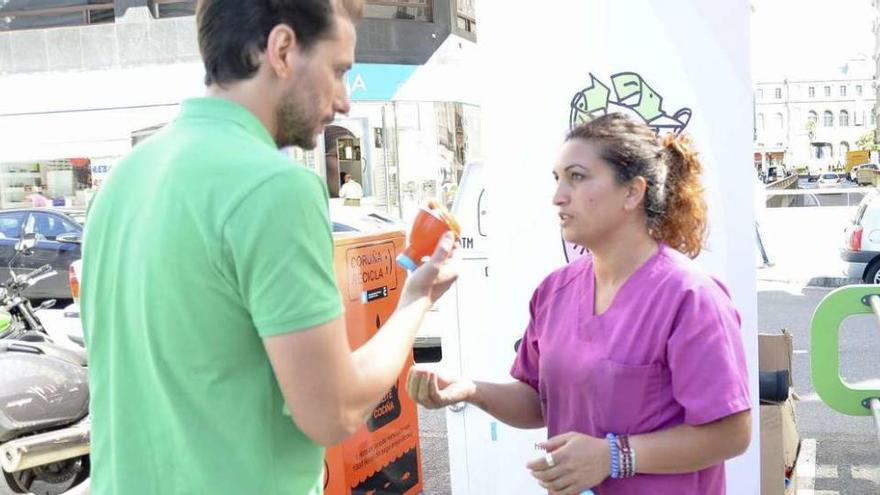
pixel 218 354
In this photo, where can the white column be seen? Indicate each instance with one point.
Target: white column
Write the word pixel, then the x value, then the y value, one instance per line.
pixel 531 77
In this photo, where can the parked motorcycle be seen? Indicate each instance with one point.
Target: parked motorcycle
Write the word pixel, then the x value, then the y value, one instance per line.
pixel 44 396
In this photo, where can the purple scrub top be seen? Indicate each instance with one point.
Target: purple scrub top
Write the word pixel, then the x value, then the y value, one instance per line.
pixel 667 351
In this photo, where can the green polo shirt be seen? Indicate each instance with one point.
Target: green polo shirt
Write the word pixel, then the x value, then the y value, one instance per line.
pixel 204 240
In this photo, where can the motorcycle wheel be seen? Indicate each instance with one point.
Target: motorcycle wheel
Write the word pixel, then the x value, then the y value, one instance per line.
pixel 51 479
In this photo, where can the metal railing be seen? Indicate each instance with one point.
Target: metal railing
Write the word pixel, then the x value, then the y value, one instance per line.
pixel 842 196
pixel 784 183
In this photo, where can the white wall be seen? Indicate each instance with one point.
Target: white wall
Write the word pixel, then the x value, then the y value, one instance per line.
pixel 695 54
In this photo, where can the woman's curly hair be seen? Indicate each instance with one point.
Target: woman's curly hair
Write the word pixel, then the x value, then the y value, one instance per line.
pixel 674 200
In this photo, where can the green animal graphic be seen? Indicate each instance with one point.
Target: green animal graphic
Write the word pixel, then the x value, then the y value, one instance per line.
pixel 632 96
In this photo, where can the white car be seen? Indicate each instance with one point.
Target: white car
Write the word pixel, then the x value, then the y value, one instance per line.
pixel 861 249
pixel 72 322
pixel 829 179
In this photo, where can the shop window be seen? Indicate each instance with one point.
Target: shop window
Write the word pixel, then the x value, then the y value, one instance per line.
pixel 413 10
pixel 466 16
pixel 36 14
pixel 466 24
pixel 172 8
pixel 342 156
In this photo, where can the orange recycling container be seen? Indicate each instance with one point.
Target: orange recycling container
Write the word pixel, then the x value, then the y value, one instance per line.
pixel 384 455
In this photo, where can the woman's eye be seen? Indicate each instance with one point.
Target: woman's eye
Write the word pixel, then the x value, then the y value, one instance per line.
pixel 575 176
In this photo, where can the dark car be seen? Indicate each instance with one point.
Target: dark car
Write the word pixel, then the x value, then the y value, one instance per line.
pixel 49 225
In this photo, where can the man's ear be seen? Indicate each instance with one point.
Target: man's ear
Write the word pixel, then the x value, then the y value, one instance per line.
pixel 282 51
pixel 635 193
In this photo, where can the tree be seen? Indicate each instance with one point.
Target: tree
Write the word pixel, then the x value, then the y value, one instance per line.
pixel 867 143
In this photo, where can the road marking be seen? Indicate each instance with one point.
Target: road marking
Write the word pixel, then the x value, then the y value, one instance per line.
pixel 806 468
pixel 825 471
pixel 869 473
pixel 810 397
pixel 808 471
pixel 801 351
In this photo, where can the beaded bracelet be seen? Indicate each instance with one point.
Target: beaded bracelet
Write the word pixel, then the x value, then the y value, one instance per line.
pixel 633 452
pixel 627 457
pixel 615 455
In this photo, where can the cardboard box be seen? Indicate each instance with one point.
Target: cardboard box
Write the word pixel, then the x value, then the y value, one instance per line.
pixel 775 352
pixel 780 444
pixel 780 441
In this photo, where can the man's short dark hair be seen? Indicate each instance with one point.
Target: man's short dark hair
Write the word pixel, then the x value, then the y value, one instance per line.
pixel 232 33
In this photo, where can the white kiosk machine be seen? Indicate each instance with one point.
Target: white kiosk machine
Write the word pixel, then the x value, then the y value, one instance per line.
pixel 682 66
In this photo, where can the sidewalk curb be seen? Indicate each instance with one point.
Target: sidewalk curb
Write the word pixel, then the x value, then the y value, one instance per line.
pixel 832 282
pixel 824 282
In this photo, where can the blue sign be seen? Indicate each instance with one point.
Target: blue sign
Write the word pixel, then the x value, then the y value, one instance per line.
pixel 377 82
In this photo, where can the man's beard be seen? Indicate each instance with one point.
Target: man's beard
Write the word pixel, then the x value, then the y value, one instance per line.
pixel 292 120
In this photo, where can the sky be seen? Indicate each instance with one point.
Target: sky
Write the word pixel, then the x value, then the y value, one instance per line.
pixel 809 38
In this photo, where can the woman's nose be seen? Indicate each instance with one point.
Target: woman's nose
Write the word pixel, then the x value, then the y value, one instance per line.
pixel 560 197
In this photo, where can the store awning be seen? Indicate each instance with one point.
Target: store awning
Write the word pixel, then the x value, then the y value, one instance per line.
pixel 76 134
pixel 60 115
pixel 451 74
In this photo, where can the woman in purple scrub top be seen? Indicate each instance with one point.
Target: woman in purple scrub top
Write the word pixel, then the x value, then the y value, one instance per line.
pixel 633 357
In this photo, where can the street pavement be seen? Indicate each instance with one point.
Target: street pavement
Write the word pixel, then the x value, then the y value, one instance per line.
pixel 840 454
pixel 803 244
pixel 435 451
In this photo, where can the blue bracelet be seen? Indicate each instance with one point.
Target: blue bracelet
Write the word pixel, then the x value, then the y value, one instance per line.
pixel 615 455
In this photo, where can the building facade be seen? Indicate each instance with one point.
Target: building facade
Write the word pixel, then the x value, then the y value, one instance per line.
pixel 813 123
pixel 83 79
pixel 876 5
